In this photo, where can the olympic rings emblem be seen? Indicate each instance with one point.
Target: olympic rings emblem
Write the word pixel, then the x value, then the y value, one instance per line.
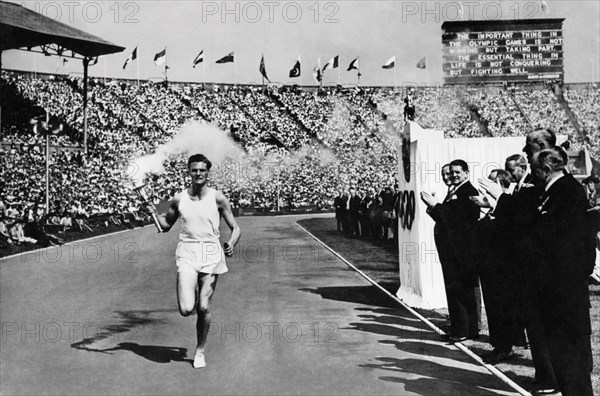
pixel 406 212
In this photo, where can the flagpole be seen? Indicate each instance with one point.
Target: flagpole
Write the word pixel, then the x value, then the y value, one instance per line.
pixel 105 70
pixel 340 71
pixel 395 80
pixel 35 66
pixel 203 73
pixel 358 71
pixel 234 70
pixel 138 66
pixel 427 71
pixel 166 66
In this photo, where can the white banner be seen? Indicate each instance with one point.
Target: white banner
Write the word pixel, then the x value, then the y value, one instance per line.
pixel 421 279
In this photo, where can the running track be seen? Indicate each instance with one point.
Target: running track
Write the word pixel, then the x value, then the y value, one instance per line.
pixel 100 317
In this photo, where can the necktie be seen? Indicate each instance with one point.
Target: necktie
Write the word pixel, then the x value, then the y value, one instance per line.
pixel 449 195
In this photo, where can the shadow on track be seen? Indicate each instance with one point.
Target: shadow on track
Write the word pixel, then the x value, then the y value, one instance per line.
pixel 128 321
pixel 154 353
pixel 367 295
pixel 434 378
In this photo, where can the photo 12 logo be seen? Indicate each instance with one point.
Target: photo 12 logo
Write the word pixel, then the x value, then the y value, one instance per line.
pixel 88 11
pixel 271 11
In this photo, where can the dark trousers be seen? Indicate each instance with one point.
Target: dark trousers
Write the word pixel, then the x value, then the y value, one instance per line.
pixel 354 223
pixel 464 309
pixel 500 305
pixel 346 223
pixel 530 316
pixel 565 319
pixel 365 225
pixel 570 359
pixel 463 296
pixel 339 218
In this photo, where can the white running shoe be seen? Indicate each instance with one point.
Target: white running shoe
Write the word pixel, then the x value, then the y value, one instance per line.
pixel 199 361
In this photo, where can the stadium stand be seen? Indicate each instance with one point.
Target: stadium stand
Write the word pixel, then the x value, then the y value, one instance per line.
pixel 314 141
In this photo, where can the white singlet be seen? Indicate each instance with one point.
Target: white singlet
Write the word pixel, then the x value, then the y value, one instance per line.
pixel 199 249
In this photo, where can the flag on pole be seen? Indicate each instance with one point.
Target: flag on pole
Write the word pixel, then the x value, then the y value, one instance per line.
pixel 422 63
pixel 390 63
pixel 295 72
pixel 93 61
pixel 262 68
pixel 545 8
pixel 198 59
pixel 332 64
pixel 160 57
pixel 226 59
pixel 64 62
pixel 317 71
pixel 353 65
pixel 131 58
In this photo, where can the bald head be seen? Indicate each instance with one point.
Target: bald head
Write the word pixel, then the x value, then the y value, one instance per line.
pixel 538 140
pixel 545 164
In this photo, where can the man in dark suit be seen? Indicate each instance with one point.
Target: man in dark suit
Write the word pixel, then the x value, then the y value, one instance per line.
pixel 519 211
pixel 365 213
pixel 338 204
pixel 567 260
pixel 494 261
pixel 455 218
pixel 345 201
pixel 354 206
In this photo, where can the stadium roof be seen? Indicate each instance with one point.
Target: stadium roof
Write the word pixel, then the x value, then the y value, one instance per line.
pixel 21 27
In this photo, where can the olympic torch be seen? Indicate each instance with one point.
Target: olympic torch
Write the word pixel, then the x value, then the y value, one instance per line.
pixel 141 192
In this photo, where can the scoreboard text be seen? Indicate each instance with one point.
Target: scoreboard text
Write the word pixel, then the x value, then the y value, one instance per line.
pixel 498 51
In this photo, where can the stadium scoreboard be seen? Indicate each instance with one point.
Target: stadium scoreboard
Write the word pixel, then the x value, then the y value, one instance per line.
pixel 482 52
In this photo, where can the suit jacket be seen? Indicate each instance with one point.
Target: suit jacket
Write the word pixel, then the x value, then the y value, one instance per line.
pixel 518 213
pixel 455 219
pixel 365 204
pixel 355 204
pixel 339 204
pixel 457 213
pixel 564 233
pixel 568 257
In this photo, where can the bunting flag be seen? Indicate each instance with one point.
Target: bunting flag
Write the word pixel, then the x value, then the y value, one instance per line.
pixel 545 8
pixel 390 63
pixel 353 65
pixel 295 72
pixel 262 68
pixel 160 57
pixel 317 71
pixel 332 64
pixel 422 63
pixel 226 59
pixel 198 59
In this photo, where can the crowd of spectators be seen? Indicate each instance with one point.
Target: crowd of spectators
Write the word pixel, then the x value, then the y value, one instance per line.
pixel 301 144
pixel 585 103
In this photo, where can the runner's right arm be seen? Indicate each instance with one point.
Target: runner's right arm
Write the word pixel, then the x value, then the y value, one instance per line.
pixel 166 220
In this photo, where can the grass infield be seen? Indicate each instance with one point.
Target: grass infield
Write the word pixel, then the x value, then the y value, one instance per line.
pixel 379 260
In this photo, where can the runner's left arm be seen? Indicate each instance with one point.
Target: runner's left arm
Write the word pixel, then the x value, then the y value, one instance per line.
pixel 227 215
